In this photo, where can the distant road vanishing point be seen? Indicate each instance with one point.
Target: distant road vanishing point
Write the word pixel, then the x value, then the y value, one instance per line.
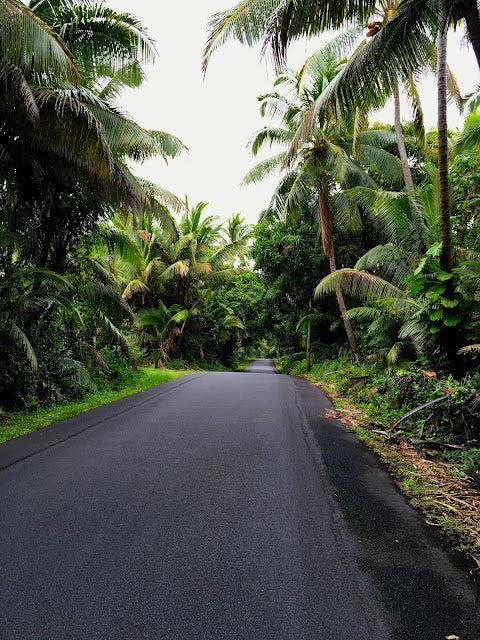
pixel 218 506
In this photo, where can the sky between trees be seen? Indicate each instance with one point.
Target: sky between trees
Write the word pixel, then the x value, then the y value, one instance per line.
pixel 217 116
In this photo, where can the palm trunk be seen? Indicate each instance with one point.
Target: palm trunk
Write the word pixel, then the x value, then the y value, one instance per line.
pixel 326 228
pixel 472 19
pixel 445 223
pixel 309 339
pixel 46 243
pixel 407 174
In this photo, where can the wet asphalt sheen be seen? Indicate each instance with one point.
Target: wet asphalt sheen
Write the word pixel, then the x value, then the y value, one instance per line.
pixel 218 506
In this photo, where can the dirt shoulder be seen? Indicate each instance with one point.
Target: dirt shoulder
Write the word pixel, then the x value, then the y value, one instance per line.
pixel 447 500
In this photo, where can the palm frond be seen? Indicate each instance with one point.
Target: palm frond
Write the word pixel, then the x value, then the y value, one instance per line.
pixel 374 70
pixel 18 99
pixel 346 213
pixel 179 268
pixel 218 278
pixel 245 22
pixel 471 349
pixel 116 334
pixel 385 163
pixel 358 284
pixel 23 343
pixel 129 74
pixel 469 138
pixel 269 135
pixel 364 313
pixel 163 196
pixel 228 253
pixel 30 44
pixel 133 287
pixel 337 48
pixel 264 169
pixel 77 371
pixel 389 261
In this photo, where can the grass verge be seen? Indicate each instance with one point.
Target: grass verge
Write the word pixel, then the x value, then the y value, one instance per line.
pixel 16 424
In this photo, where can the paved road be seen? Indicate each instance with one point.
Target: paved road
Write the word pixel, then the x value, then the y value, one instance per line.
pixel 218 506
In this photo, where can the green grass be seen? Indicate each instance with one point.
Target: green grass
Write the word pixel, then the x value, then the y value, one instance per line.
pixel 19 423
pixel 242 364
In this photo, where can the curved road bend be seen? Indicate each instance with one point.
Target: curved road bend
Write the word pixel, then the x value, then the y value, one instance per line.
pixel 218 506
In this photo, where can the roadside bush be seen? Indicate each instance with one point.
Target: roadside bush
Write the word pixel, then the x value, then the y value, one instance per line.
pixel 120 372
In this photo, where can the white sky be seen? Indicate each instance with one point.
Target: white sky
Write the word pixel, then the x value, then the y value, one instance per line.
pixel 215 118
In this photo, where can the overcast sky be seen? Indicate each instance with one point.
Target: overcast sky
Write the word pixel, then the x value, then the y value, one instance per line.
pixel 217 116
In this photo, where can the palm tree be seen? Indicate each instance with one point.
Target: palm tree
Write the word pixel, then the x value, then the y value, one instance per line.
pixel 163 323
pixel 445 223
pixel 75 142
pixel 196 256
pixel 237 229
pixel 147 256
pixel 33 302
pixel 65 149
pixel 327 162
pixel 275 23
pixel 104 44
pixel 411 298
pixel 399 48
pixel 385 56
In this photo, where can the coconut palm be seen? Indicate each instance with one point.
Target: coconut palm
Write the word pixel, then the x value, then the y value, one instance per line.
pixel 393 315
pixel 195 256
pixel 238 232
pixel 327 163
pixel 153 253
pixel 76 145
pixel 163 324
pixel 276 23
pixel 108 47
pixel 398 48
pixel 32 303
pixel 406 298
pixel 390 63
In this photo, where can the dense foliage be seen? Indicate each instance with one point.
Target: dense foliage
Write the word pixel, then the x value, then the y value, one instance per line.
pixel 370 247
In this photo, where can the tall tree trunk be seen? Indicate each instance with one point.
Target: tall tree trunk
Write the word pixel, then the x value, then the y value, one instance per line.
pixel 445 223
pixel 469 11
pixel 407 174
pixel 309 338
pixel 326 229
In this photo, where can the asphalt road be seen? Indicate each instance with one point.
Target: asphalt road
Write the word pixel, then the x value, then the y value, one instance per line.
pixel 218 506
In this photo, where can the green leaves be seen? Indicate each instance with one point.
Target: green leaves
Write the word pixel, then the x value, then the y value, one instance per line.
pixel 452 321
pixel 435 291
pixel 435 314
pixel 28 43
pixel 448 303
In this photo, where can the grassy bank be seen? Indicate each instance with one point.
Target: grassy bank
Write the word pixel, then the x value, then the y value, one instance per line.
pixel 19 423
pixel 440 477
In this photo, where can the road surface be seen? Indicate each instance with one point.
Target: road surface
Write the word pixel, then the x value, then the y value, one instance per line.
pixel 218 506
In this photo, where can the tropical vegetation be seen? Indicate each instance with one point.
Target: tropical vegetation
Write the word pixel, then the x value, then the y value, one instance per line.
pixel 368 255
